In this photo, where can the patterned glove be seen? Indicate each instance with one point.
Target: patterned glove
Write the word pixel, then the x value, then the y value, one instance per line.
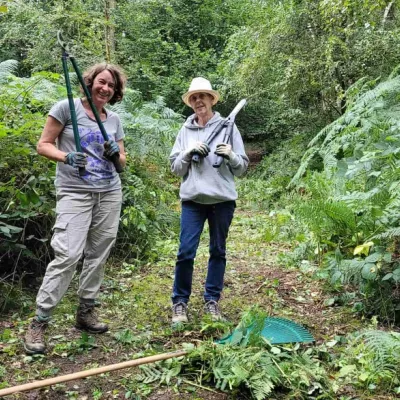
pixel 76 159
pixel 198 148
pixel 225 150
pixel 110 149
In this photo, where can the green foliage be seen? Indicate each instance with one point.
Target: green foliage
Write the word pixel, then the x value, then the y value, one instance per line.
pixel 29 28
pixel 269 179
pixel 295 60
pixel 163 45
pixel 26 185
pixel 351 207
pixel 370 361
pixel 13 297
pixel 161 371
pixel 251 364
pixel 292 60
pixel 125 337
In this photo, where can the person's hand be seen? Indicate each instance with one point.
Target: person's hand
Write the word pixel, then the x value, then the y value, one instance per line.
pixel 198 148
pixel 76 159
pixel 110 149
pixel 225 150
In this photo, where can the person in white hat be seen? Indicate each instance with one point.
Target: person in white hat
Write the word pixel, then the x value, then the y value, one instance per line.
pixel 206 193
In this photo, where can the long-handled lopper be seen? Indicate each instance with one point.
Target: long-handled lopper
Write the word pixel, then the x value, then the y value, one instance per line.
pixel 228 124
pixel 65 57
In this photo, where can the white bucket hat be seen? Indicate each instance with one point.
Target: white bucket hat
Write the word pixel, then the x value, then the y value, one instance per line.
pixel 200 85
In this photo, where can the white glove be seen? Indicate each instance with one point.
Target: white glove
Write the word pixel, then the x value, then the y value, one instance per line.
pixel 225 150
pixel 199 148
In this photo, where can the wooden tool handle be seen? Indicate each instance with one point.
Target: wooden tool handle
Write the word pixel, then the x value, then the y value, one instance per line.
pixel 90 372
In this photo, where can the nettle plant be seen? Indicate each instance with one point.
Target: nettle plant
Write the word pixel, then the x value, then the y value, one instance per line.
pixel 351 207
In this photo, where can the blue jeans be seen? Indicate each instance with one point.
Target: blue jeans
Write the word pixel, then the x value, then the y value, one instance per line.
pixel 193 217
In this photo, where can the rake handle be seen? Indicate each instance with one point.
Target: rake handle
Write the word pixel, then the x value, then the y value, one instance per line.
pixel 90 372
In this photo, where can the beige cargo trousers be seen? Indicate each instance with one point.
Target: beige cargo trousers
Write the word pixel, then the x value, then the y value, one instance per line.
pixel 87 223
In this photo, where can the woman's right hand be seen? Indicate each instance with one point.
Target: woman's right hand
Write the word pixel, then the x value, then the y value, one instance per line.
pixel 76 159
pixel 198 148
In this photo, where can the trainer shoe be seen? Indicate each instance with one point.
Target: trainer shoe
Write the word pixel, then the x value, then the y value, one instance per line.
pixel 179 313
pixel 212 308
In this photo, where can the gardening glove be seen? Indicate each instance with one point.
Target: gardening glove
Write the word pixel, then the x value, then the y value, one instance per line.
pixel 199 148
pixel 110 149
pixel 225 150
pixel 76 159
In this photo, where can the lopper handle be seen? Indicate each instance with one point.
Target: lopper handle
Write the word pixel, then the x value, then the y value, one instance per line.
pixel 117 164
pixel 195 158
pixel 82 171
pixel 218 162
pixel 114 159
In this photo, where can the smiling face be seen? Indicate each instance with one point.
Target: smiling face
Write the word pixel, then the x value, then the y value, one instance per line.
pixel 202 104
pixel 103 88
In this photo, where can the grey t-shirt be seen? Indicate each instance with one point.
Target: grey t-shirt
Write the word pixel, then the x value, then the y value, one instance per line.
pixel 100 173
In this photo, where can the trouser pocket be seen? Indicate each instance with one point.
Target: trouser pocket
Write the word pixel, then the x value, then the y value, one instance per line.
pixel 59 241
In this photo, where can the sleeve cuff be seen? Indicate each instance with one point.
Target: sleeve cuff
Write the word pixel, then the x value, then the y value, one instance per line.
pixel 235 161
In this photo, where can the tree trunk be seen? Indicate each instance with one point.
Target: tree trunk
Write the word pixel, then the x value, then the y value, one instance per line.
pixel 110 30
pixel 386 13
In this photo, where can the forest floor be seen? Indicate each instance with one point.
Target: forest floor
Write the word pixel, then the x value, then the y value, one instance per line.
pixel 135 302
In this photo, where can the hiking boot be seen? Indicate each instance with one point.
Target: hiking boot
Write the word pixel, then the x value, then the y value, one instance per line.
pixel 34 339
pixel 212 308
pixel 87 320
pixel 179 313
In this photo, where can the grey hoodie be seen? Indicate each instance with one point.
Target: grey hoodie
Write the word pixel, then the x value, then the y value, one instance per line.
pixel 202 182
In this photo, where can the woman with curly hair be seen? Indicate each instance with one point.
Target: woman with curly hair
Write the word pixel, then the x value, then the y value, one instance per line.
pixel 88 206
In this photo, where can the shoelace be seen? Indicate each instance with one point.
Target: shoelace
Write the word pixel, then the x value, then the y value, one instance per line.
pixel 37 331
pixel 212 308
pixel 179 309
pixel 91 315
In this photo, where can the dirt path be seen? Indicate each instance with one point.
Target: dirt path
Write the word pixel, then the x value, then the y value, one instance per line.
pixel 136 304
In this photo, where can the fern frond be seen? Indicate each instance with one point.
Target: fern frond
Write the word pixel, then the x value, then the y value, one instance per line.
pixel 308 156
pixel 391 233
pixel 7 68
pixel 385 346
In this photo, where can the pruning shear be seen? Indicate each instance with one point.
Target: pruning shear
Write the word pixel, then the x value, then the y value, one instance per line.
pixel 65 57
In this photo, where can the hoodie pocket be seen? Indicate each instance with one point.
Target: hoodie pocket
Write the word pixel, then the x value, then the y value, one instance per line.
pixel 225 173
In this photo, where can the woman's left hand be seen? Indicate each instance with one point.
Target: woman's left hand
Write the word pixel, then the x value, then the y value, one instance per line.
pixel 225 150
pixel 110 149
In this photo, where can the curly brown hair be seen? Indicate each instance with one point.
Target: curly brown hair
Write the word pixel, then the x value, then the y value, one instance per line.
pixel 119 77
